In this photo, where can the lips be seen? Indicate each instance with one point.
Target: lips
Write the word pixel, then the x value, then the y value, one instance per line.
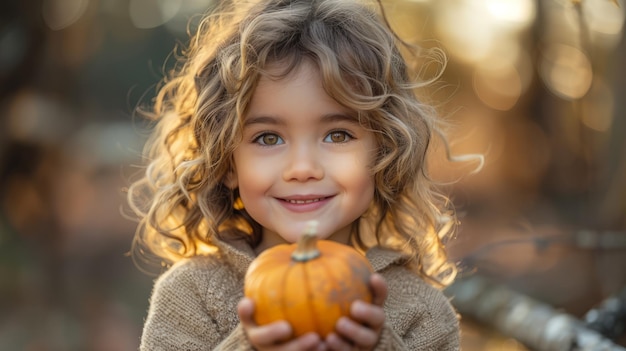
pixel 304 203
pixel 301 202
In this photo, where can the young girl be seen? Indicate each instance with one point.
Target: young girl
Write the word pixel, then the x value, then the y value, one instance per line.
pixel 287 111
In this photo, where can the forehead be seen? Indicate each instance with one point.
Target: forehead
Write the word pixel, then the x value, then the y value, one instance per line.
pixel 299 95
pixel 295 75
pixel 289 67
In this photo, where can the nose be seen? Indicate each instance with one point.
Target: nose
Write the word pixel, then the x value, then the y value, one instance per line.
pixel 303 164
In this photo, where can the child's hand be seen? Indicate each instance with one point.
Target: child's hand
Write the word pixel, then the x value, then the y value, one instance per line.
pixel 362 330
pixel 271 337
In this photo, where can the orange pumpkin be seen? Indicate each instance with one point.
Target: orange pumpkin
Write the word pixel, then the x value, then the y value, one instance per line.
pixel 310 284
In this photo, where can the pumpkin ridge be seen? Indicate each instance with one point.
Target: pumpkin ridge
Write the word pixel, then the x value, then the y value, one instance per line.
pixel 310 298
pixel 331 274
pixel 283 288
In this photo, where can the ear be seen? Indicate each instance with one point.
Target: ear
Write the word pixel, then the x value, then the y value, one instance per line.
pixel 231 180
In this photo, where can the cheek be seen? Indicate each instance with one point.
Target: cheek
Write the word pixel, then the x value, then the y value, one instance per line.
pixel 356 176
pixel 252 177
pixel 365 180
pixel 242 164
pixel 367 189
pixel 357 166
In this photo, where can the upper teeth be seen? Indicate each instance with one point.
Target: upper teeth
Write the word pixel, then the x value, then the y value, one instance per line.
pixel 302 201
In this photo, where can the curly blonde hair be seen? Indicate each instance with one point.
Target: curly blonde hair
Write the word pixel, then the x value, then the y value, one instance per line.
pixel 182 201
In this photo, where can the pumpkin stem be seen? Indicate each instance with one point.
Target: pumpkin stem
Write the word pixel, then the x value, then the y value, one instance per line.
pixel 306 249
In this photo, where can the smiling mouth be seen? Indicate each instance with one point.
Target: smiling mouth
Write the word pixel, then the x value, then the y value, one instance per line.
pixel 301 202
pixel 305 201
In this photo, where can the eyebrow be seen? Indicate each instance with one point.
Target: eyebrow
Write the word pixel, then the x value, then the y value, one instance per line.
pixel 328 118
pixel 262 120
pixel 340 117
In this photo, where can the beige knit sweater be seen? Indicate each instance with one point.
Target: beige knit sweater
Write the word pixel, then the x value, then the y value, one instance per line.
pixel 193 305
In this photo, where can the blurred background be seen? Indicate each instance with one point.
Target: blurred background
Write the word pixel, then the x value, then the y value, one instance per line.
pixel 537 86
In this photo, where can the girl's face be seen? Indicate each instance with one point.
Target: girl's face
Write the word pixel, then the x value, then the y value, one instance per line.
pixel 303 157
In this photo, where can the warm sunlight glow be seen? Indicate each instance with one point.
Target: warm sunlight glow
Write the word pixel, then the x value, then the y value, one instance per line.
pixel 605 21
pixel 497 87
pixel 520 12
pixel 473 29
pixel 566 71
pixel 500 79
pixel 466 29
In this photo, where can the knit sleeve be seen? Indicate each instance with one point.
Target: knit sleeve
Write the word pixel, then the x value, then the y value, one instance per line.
pixel 180 317
pixel 419 316
pixel 236 341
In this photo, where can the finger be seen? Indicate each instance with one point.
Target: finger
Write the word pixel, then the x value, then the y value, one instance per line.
pixel 337 343
pixel 367 314
pixel 245 310
pixel 321 347
pixel 379 289
pixel 265 335
pixel 309 341
pixel 356 333
pixel 269 335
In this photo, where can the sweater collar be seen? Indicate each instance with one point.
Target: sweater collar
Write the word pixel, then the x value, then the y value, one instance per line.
pixel 381 258
pixel 240 254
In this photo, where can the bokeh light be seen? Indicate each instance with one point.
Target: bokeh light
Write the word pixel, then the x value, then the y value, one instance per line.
pixel 475 28
pixel 605 22
pixel 32 117
pixel 501 78
pixel 516 13
pixel 188 13
pixel 566 71
pixel 599 107
pixel 60 14
pixel 147 14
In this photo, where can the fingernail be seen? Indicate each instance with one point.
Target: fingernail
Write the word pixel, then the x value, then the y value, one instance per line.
pixel 285 327
pixel 342 322
pixel 358 306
